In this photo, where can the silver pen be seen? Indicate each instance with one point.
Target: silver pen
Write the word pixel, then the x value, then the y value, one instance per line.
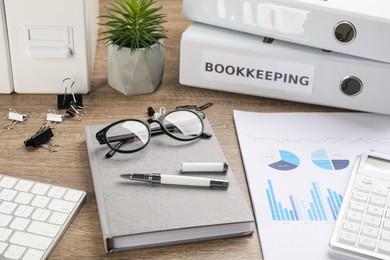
pixel 176 180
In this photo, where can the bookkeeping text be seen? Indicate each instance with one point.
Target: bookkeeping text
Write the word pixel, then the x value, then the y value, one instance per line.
pixel 257 74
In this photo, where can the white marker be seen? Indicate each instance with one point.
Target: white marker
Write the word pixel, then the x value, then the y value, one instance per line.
pixel 176 180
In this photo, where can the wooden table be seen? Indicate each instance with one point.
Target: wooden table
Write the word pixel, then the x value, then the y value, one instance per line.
pixel 70 166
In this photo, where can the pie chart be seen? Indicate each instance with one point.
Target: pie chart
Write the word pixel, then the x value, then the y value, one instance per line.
pixel 329 160
pixel 283 160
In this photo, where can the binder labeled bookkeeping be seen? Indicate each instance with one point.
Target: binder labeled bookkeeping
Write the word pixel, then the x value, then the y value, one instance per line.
pixel 359 28
pixel 232 61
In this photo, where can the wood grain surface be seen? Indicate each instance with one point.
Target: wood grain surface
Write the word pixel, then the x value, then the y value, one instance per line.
pixel 70 166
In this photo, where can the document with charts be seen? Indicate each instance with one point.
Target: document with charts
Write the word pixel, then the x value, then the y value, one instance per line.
pixel 297 167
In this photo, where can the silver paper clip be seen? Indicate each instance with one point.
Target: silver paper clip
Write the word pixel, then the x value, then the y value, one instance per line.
pixel 15 118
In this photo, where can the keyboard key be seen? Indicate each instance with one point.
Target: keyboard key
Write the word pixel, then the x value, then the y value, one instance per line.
pixel 44 229
pixel 24 185
pixel 56 192
pixel 14 252
pixel 7 207
pixel 5 219
pixel 7 194
pixel 5 233
pixel 24 198
pixel 3 246
pixel 7 182
pixel 40 201
pixel 33 254
pixel 58 218
pixel 41 214
pixel 30 240
pixel 61 205
pixel 73 195
pixel 23 211
pixel 40 188
pixel 19 224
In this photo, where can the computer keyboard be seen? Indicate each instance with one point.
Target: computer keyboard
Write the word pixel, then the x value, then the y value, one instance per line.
pixel 362 228
pixel 34 216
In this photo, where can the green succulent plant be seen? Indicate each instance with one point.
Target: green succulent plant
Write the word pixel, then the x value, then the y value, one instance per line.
pixel 134 24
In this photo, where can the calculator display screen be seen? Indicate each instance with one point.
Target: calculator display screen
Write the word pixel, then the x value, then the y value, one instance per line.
pixel 377 164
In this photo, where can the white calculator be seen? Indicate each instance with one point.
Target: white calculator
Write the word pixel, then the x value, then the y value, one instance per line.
pixel 362 229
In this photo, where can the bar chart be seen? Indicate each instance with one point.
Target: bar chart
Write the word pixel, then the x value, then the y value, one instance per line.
pixel 315 204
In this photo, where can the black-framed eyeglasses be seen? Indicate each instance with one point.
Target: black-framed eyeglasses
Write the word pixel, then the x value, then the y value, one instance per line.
pixel 132 135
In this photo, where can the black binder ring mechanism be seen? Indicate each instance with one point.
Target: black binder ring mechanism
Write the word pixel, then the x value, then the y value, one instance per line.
pixel 14 117
pixel 41 139
pixel 73 103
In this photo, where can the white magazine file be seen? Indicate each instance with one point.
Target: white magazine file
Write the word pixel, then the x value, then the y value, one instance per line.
pixel 228 60
pixel 362 27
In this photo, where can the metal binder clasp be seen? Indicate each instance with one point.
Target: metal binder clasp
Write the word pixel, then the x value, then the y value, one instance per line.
pixel 15 118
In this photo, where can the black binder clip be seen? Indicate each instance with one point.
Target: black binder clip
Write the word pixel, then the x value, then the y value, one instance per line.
pixel 64 100
pixel 41 139
pixel 74 110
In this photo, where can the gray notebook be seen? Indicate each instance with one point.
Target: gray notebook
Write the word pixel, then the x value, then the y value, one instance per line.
pixel 138 214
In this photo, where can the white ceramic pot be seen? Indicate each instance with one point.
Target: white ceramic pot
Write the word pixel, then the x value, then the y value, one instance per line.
pixel 135 73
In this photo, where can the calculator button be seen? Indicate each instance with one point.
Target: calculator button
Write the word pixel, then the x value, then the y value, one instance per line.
pixel 357 206
pixel 367 242
pixel 380 192
pixel 370 231
pixel 372 221
pixel 351 226
pixel 359 196
pixel 386 224
pixel 347 237
pixel 377 200
pixel 363 187
pixel 375 211
pixel 384 247
pixel 354 216
pixel 385 236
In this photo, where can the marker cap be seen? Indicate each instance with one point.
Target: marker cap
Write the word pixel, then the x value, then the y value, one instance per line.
pixel 213 167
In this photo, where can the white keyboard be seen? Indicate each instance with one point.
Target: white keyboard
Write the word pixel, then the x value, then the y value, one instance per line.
pixel 34 216
pixel 362 228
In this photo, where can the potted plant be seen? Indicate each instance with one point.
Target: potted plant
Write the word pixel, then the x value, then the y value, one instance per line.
pixel 134 35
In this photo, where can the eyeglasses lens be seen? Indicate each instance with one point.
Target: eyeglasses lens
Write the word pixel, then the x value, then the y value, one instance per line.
pixel 184 125
pixel 128 135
